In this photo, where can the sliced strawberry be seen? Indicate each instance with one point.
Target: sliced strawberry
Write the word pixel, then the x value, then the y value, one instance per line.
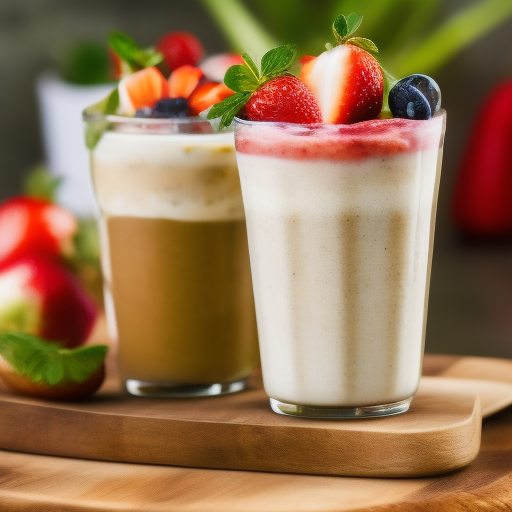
pixel 142 89
pixel 215 67
pixel 183 81
pixel 207 95
pixel 285 99
pixel 347 82
pixel 180 49
pixel 35 226
pixel 39 297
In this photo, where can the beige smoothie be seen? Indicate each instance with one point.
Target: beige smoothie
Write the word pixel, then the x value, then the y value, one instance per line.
pixel 340 222
pixel 175 258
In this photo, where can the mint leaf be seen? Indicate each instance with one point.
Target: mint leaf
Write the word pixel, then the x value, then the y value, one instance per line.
pixel 148 57
pixel 95 128
pixel 278 60
pixel 251 65
pixel 42 184
pixel 240 78
pixel 125 47
pixel 47 362
pixel 365 44
pixel 353 21
pixel 229 108
pixel 340 28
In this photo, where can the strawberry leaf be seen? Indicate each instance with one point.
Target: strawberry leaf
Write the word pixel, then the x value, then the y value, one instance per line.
pixel 42 361
pixel 42 184
pixel 278 60
pixel 365 44
pixel 240 78
pixel 251 65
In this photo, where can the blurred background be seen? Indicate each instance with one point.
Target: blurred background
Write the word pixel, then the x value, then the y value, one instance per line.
pixel 466 45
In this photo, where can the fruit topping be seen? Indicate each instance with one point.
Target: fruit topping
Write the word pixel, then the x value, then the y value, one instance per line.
pixel 180 49
pixel 415 97
pixel 206 95
pixel 267 94
pixel 284 99
pixel 170 107
pixel 215 67
pixel 347 80
pixel 183 81
pixel 35 367
pixel 39 297
pixel 142 89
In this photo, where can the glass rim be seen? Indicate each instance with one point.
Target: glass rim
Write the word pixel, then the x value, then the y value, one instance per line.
pixel 89 116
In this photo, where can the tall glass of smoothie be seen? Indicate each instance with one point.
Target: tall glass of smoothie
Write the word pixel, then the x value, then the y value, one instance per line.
pixel 174 255
pixel 340 220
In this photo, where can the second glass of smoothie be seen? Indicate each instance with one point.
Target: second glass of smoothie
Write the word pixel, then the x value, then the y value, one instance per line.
pixel 174 255
pixel 340 220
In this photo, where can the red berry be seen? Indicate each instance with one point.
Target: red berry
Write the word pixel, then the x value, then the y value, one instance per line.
pixel 347 82
pixel 283 99
pixel 206 95
pixel 183 81
pixel 180 49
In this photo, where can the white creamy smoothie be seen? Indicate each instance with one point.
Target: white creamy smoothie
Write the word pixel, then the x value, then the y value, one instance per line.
pixel 340 222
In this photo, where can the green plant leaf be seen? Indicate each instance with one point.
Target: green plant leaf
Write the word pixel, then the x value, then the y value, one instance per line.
pixel 95 128
pixel 240 78
pixel 365 44
pixel 353 21
pixel 42 184
pixel 229 108
pixel 148 57
pixel 251 65
pixel 340 28
pixel 42 361
pixel 125 47
pixel 278 60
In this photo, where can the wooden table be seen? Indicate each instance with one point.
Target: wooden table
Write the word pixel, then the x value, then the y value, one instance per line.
pixel 42 483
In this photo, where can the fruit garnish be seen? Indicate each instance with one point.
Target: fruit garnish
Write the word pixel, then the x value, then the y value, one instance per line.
pixel 180 49
pixel 206 95
pixel 215 66
pixel 170 107
pixel 30 225
pixel 254 87
pixel 415 97
pixel 36 367
pixel 40 297
pixel 142 89
pixel 346 80
pixel 183 81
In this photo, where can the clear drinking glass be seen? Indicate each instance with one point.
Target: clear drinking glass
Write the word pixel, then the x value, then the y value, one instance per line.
pixel 175 259
pixel 340 220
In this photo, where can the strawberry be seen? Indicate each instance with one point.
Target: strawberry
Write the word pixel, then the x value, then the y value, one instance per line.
pixel 206 95
pixel 39 297
pixel 346 80
pixel 142 89
pixel 269 93
pixel 183 81
pixel 180 49
pixel 35 226
pixel 215 67
pixel 285 99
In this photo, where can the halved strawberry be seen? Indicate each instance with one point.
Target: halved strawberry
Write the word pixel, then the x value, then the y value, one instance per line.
pixel 215 67
pixel 206 95
pixel 284 99
pixel 180 49
pixel 347 82
pixel 142 89
pixel 183 81
pixel 35 226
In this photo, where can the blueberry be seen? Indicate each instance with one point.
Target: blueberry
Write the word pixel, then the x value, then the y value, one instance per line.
pixel 415 97
pixel 144 112
pixel 170 107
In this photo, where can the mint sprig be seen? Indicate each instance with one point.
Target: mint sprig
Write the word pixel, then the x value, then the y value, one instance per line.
pixel 95 127
pixel 129 51
pixel 49 362
pixel 247 78
pixel 343 28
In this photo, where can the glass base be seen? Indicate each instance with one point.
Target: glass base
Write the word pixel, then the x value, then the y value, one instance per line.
pixel 366 411
pixel 159 389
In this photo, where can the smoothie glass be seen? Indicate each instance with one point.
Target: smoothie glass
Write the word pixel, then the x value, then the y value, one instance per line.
pixel 340 220
pixel 175 259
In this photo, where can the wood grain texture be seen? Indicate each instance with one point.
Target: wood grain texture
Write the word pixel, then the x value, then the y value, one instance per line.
pixel 41 483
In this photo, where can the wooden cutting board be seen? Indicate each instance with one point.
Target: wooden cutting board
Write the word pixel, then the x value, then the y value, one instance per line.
pixel 441 432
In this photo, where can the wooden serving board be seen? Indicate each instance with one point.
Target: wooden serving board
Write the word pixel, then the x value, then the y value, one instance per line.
pixel 441 432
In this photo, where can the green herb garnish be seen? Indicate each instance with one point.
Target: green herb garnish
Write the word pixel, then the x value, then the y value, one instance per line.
pixel 246 78
pixel 343 28
pixel 129 52
pixel 49 362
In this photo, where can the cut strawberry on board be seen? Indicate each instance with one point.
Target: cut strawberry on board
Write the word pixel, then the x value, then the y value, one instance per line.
pixel 142 89
pixel 347 80
pixel 206 95
pixel 39 297
pixel 180 49
pixel 183 81
pixel 35 226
